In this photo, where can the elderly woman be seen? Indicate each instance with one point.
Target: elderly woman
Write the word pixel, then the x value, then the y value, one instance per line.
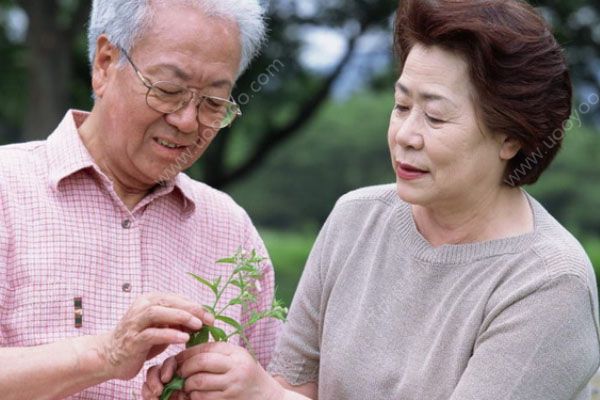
pixel 453 283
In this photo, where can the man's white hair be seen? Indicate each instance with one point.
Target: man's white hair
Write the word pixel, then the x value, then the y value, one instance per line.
pixel 125 21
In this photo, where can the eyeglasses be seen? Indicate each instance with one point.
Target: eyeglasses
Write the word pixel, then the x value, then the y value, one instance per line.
pixel 168 97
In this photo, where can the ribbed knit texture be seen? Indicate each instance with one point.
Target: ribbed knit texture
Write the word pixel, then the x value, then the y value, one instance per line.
pixel 381 314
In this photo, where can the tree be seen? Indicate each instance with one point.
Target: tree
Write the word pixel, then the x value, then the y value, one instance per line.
pixel 279 93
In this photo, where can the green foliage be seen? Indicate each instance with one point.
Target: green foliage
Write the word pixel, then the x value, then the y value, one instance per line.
pixel 344 148
pixel 288 251
pixel 569 189
pixel 592 248
pixel 176 384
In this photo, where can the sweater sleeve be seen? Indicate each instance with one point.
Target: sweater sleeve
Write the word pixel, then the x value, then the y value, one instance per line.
pixel 542 346
pixel 297 353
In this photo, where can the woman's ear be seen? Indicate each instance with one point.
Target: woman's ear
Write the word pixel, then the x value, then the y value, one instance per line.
pixel 509 147
pixel 105 62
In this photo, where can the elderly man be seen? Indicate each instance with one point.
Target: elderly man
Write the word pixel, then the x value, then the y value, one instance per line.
pixel 98 225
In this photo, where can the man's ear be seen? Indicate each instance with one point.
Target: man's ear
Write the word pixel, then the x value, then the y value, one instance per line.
pixel 105 62
pixel 509 147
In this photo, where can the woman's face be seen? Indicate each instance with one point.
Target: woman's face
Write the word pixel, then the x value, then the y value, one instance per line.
pixel 440 152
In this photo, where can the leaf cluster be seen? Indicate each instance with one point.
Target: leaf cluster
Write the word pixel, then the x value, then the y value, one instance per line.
pixel 245 276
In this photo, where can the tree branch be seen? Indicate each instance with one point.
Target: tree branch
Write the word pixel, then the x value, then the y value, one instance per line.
pixel 276 136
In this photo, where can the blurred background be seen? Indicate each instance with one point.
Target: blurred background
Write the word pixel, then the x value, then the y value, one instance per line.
pixel 316 108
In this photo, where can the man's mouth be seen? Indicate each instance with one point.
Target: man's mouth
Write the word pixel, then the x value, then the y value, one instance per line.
pixel 167 144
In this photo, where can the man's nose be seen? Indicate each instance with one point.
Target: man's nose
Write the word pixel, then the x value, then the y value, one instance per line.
pixel 185 119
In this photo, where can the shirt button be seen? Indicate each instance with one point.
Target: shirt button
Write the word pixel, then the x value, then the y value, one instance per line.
pixel 126 224
pixel 126 287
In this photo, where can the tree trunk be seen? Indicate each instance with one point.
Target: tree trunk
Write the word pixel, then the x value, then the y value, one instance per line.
pixel 49 66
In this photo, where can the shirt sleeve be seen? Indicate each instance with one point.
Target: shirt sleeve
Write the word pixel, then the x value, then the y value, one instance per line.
pixel 542 346
pixel 262 335
pixel 297 354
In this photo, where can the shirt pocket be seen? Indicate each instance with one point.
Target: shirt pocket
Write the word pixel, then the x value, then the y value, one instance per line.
pixel 38 313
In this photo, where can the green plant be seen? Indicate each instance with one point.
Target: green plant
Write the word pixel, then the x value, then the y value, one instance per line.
pixel 245 275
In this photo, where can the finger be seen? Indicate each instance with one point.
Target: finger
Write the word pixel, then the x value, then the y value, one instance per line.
pixel 147 393
pixel 153 380
pixel 161 336
pixel 206 362
pixel 182 303
pixel 210 347
pixel 207 395
pixel 168 369
pixel 205 382
pixel 157 315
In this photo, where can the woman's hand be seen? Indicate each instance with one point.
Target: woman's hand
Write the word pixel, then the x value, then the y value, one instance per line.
pixel 222 371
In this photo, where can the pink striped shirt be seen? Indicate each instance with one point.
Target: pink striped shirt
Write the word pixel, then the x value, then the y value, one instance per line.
pixel 64 233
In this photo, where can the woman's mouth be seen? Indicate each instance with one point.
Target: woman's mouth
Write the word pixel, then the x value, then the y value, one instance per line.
pixel 408 172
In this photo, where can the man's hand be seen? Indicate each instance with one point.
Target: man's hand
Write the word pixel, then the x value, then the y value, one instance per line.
pixel 151 324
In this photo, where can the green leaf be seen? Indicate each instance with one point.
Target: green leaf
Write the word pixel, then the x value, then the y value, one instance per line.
pixel 176 384
pixel 205 282
pixel 229 260
pixel 245 268
pixel 210 309
pixel 237 283
pixel 217 282
pixel 217 333
pixel 235 301
pixel 229 321
pixel 198 337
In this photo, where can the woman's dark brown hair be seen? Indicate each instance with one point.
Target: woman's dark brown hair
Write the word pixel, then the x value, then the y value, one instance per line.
pixel 519 71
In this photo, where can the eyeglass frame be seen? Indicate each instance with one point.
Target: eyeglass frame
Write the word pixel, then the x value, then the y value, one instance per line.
pixel 237 112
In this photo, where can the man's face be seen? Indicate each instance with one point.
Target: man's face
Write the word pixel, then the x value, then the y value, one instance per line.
pixel 183 46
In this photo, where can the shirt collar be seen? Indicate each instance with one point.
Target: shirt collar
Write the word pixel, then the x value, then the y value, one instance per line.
pixel 67 155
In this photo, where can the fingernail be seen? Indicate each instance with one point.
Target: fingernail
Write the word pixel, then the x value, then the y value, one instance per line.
pixel 196 323
pixel 184 337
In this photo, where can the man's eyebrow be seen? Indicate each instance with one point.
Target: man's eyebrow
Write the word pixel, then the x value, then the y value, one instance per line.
pixel 181 74
pixel 424 95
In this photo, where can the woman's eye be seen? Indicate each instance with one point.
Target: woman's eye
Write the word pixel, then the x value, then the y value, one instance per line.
pixel 434 120
pixel 401 108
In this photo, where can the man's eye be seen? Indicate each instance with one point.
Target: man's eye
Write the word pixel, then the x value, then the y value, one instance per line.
pixel 401 108
pixel 169 92
pixel 213 103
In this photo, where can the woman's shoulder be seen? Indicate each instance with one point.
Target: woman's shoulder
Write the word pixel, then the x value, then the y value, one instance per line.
pixel 559 251
pixel 370 196
pixel 367 203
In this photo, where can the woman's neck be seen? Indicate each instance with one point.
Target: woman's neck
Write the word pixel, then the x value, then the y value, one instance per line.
pixel 499 214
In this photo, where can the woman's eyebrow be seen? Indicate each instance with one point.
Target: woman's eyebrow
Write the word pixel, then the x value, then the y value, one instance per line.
pixel 428 96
